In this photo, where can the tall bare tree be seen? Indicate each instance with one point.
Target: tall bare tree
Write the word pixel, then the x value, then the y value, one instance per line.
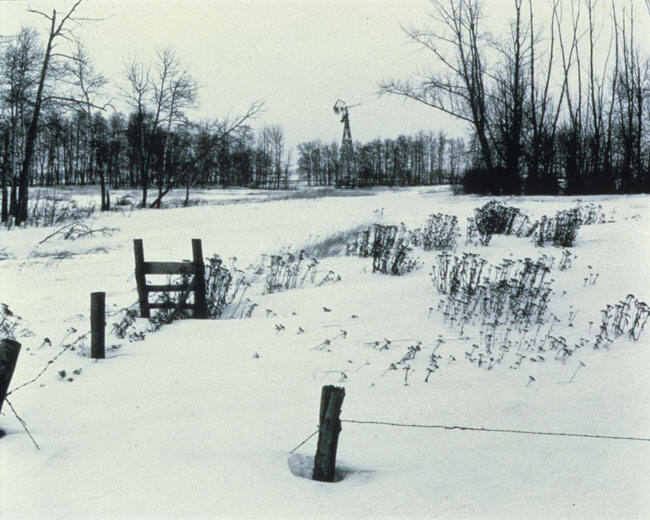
pixel 509 97
pixel 174 90
pixel 88 85
pixel 542 114
pixel 139 82
pixel 58 30
pixel 158 95
pixel 19 74
pixel 275 135
pixel 573 137
pixel 218 130
pixel 632 88
pixel 456 42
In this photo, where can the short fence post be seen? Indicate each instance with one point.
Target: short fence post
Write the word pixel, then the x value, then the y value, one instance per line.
pixel 328 433
pixel 140 280
pixel 9 350
pixel 200 303
pixel 97 325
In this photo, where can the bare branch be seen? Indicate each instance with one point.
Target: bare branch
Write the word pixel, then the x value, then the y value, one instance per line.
pixel 220 130
pixel 78 102
pixel 40 13
pixel 66 17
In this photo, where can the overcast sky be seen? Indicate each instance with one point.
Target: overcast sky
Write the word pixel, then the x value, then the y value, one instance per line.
pixel 299 57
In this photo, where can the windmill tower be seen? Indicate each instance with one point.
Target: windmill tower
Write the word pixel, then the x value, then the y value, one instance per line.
pixel 345 175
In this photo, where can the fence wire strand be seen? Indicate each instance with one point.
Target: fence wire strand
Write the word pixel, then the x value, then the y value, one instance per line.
pixel 303 442
pixel 498 430
pixel 64 349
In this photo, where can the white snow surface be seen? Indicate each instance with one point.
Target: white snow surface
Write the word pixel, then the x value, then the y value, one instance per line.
pixel 198 420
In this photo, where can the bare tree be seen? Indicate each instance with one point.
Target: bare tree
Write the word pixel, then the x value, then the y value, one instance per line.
pixel 609 140
pixel 139 81
pixel 573 89
pixel 460 91
pixel 600 172
pixel 508 99
pixel 276 142
pixel 168 89
pixel 287 171
pixel 173 91
pixel 543 112
pixel 19 73
pixel 57 31
pixel 219 130
pixel 632 85
pixel 89 84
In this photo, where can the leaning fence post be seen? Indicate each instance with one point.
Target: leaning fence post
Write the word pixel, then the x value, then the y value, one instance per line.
pixel 9 350
pixel 328 433
pixel 143 298
pixel 97 325
pixel 200 303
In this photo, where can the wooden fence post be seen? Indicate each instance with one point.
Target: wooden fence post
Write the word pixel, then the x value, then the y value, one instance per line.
pixel 328 433
pixel 9 350
pixel 200 303
pixel 97 325
pixel 140 280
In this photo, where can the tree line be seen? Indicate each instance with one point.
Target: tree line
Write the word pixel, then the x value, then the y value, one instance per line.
pixel 422 159
pixel 559 107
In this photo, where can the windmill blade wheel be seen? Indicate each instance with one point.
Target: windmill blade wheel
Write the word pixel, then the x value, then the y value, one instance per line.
pixel 340 107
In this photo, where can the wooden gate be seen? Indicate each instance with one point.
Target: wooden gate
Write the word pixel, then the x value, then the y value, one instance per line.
pixel 195 268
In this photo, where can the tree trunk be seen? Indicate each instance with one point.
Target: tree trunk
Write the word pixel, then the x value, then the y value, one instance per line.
pixel 4 215
pixel 23 181
pixel 102 180
pixel 143 166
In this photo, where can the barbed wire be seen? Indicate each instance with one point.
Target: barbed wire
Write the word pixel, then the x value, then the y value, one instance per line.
pixel 22 422
pixel 499 430
pixel 65 348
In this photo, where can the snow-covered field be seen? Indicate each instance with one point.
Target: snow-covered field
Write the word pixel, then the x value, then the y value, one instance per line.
pixel 200 418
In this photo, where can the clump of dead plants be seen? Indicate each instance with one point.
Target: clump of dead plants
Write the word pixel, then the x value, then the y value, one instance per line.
pixel 560 230
pixel 125 327
pixel 391 250
pixel 440 232
pixel 627 317
pixel 389 246
pixel 495 218
pixel 10 323
pixel 510 293
pixel 290 271
pixel 591 213
pixel 218 284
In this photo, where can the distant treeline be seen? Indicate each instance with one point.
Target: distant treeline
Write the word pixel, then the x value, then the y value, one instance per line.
pixel 72 149
pixel 425 158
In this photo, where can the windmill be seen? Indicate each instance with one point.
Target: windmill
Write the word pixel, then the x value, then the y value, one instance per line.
pixel 345 175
